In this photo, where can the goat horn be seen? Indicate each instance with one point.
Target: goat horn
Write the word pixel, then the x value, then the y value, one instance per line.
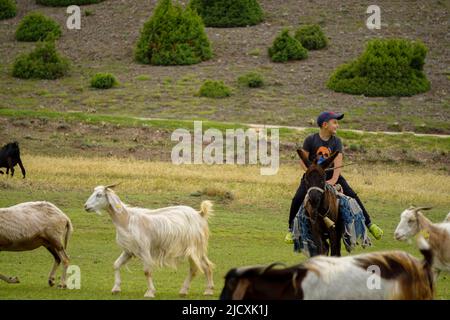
pixel 422 208
pixel 112 186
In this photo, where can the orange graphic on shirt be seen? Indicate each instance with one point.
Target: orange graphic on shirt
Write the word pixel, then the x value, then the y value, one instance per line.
pixel 323 152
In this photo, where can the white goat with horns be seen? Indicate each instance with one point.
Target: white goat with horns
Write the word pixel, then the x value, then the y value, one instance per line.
pixel 158 237
pixel 30 225
pixel 412 221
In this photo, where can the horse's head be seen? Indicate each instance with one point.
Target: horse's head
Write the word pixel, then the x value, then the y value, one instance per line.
pixel 315 178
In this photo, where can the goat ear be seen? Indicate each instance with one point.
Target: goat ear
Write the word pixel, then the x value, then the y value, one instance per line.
pixel 241 289
pixel 304 158
pixel 114 201
pixel 330 160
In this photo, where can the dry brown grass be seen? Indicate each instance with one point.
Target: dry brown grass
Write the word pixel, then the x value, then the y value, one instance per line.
pixel 403 184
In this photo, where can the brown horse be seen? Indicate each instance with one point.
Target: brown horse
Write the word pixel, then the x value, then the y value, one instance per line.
pixel 322 207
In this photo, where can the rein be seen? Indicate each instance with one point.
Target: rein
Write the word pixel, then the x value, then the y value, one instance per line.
pixel 324 216
pixel 345 165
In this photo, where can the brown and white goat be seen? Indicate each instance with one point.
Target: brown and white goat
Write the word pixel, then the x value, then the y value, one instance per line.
pixel 401 276
pixel 412 221
pixel 30 225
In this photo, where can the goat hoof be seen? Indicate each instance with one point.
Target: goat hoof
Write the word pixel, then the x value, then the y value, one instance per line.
pixel 116 290
pixel 183 293
pixel 13 280
pixel 208 292
pixel 51 282
pixel 62 286
pixel 149 294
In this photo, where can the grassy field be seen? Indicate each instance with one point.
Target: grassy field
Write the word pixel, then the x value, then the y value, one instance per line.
pixel 248 227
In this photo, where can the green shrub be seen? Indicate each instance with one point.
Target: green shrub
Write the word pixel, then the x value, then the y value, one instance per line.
pixel 43 62
pixel 285 48
pixel 103 81
pixel 392 67
pixel 311 37
pixel 228 13
pixel 252 80
pixel 7 9
pixel 214 89
pixel 35 26
pixel 173 36
pixel 63 3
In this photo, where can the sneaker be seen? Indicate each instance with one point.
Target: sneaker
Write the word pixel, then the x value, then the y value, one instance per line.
pixel 376 231
pixel 289 239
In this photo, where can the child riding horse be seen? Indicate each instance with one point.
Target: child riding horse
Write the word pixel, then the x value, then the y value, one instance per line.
pixel 321 206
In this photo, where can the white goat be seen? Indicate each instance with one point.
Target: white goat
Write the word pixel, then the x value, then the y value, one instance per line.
pixel 412 221
pixel 158 237
pixel 29 225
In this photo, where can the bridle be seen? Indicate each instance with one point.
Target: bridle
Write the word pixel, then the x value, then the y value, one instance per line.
pixel 318 213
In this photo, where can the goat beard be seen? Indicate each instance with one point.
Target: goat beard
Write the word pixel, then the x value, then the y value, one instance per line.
pixel 98 212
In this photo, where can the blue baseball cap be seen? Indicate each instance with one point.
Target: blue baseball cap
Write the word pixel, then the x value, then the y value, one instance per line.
pixel 327 116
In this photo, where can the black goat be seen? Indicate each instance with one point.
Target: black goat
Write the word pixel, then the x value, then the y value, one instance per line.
pixel 10 157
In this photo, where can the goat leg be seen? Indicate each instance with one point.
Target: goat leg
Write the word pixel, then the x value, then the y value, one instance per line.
pixel 187 282
pixel 10 167
pixel 151 288
pixel 9 279
pixel 56 263
pixel 65 264
pixel 121 260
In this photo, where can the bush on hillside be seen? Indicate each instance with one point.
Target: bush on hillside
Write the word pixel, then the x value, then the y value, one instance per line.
pixel 251 80
pixel 214 89
pixel 392 67
pixel 285 48
pixel 311 37
pixel 35 26
pixel 173 36
pixel 103 81
pixel 8 9
pixel 228 13
pixel 43 62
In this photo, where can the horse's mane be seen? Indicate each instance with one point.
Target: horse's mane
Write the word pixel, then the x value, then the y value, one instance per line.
pixel 331 199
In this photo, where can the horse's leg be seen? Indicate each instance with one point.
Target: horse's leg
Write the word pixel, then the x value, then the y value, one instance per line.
pixel 335 242
pixel 337 235
pixel 317 235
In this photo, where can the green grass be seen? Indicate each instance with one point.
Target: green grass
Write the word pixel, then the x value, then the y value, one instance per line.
pixel 247 230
